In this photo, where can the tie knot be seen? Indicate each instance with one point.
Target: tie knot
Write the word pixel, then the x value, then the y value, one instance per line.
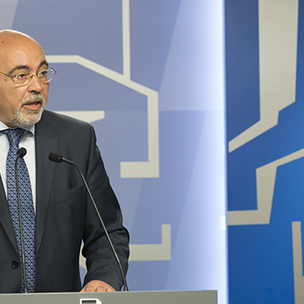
pixel 14 135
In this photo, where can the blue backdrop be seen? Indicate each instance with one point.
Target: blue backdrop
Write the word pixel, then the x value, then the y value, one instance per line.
pixel 149 76
pixel 264 51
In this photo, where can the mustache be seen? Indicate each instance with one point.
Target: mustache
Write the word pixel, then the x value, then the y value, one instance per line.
pixel 33 97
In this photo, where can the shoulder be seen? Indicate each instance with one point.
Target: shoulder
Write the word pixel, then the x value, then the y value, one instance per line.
pixel 50 117
pixel 65 126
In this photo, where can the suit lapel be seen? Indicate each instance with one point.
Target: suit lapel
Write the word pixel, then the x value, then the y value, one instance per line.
pixel 46 141
pixel 5 217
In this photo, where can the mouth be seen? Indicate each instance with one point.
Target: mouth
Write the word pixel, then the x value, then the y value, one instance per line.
pixel 33 106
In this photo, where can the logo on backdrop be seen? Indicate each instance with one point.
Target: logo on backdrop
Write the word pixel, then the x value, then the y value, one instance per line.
pixel 135 169
pixel 277 60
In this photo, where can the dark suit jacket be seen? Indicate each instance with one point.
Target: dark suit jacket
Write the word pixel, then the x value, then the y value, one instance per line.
pixel 65 215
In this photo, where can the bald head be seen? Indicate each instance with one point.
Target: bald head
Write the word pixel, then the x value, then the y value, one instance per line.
pixel 11 38
pixel 14 43
pixel 8 32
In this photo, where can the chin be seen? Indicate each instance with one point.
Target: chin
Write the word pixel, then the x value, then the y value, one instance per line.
pixel 25 121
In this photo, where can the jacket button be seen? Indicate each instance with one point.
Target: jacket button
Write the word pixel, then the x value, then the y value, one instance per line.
pixel 15 264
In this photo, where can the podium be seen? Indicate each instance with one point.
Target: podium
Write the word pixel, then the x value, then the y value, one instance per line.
pixel 129 297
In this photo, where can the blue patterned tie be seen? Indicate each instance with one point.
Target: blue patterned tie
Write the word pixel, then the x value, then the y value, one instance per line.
pixel 27 207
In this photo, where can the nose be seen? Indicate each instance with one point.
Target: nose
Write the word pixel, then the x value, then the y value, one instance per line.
pixel 34 85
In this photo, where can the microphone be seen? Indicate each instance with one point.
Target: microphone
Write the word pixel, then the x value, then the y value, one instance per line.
pixel 20 154
pixel 59 159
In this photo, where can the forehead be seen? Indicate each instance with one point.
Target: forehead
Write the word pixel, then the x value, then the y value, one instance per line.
pixel 17 50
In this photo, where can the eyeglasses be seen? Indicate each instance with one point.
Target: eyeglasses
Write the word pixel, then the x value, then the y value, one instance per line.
pixel 23 79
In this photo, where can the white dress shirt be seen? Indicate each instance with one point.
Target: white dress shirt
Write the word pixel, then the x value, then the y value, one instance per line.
pixel 28 142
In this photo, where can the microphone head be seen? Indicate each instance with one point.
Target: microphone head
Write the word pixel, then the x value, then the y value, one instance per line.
pixel 21 152
pixel 55 158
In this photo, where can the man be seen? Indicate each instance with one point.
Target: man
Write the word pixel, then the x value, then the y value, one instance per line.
pixel 64 214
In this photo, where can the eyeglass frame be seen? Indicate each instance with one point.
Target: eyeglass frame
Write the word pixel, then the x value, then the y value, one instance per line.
pixel 31 76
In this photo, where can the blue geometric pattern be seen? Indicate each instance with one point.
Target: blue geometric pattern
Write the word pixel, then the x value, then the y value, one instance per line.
pixel 190 119
pixel 27 207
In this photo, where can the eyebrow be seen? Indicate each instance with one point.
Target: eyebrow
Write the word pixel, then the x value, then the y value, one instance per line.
pixel 26 67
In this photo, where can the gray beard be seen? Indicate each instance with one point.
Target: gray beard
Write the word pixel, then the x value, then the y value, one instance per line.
pixel 24 120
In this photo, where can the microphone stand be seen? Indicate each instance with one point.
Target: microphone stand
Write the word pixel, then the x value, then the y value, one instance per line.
pixel 57 158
